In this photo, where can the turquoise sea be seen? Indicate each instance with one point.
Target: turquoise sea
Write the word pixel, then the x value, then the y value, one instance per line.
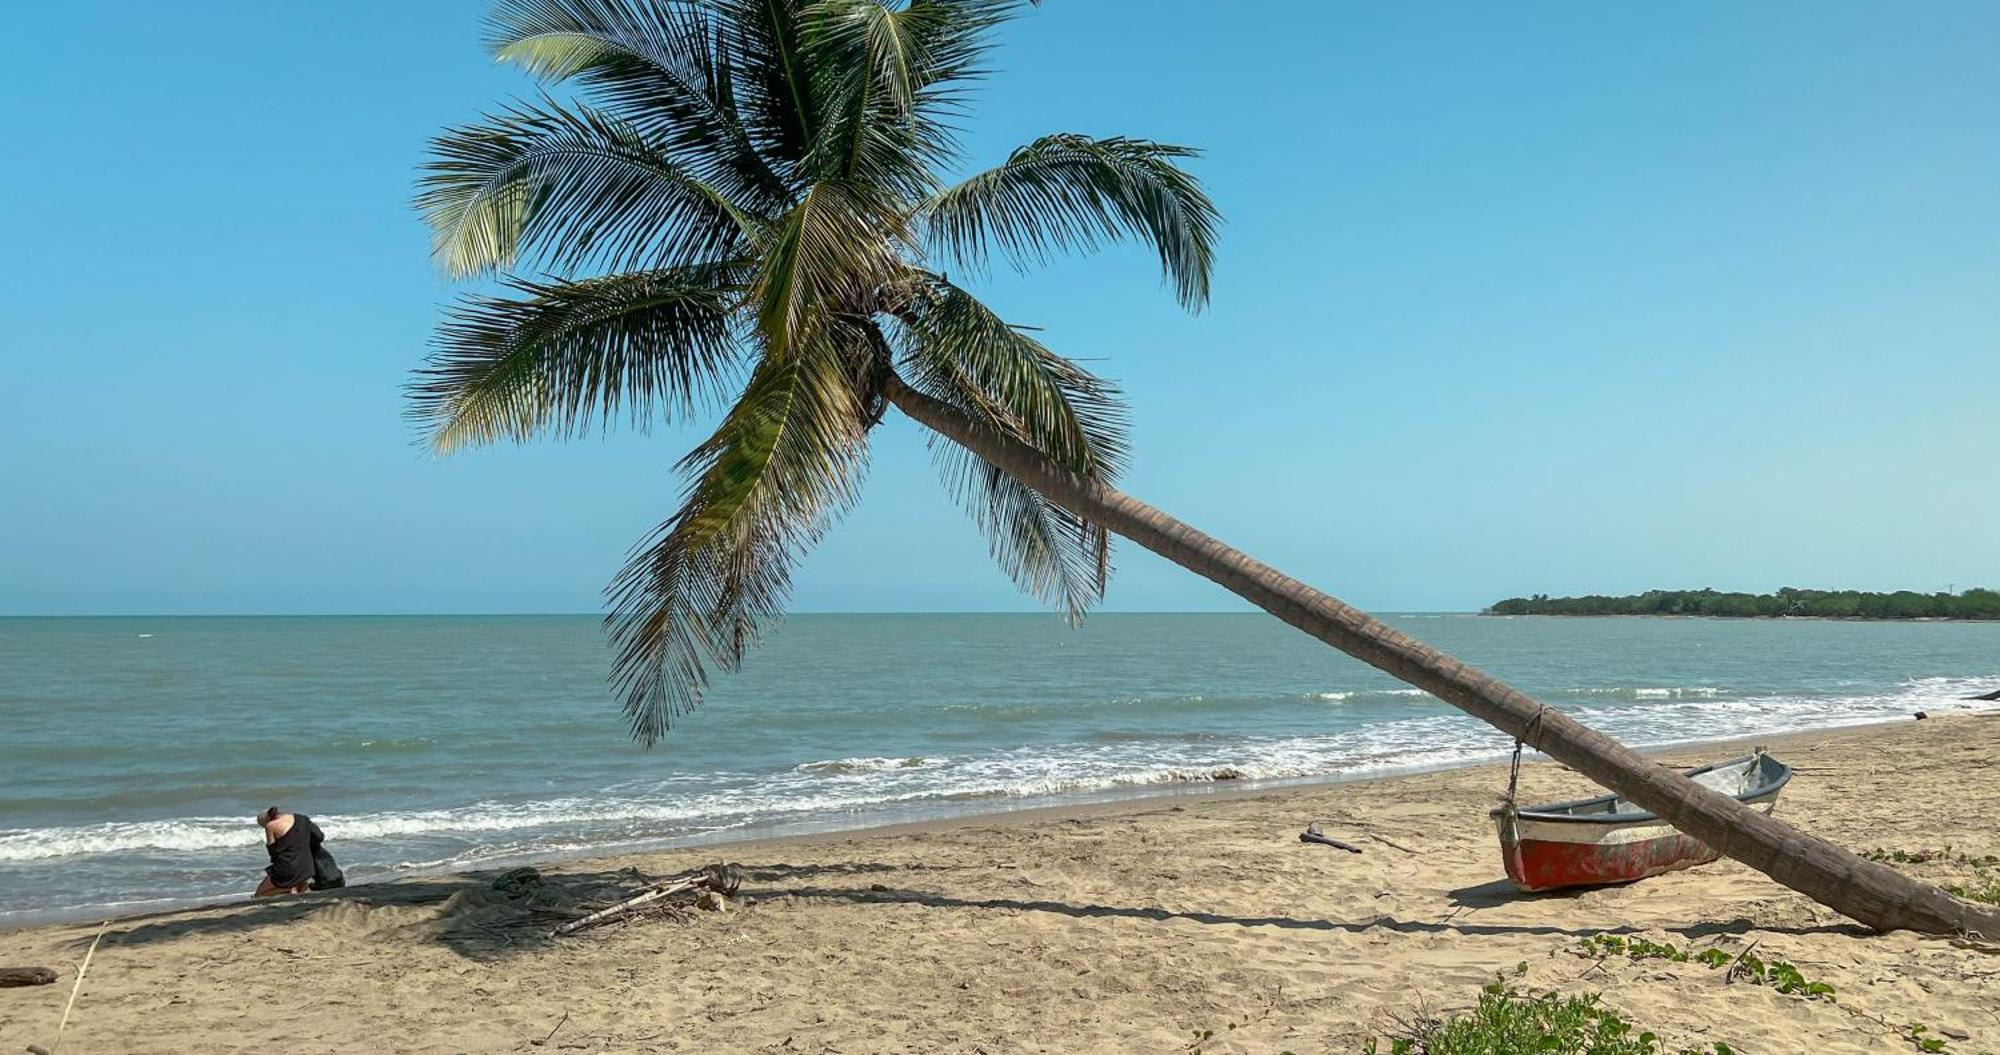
pixel 134 751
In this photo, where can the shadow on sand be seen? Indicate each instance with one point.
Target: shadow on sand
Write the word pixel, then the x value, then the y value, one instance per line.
pixel 479 915
pixel 1503 892
pixel 1450 924
pixel 485 916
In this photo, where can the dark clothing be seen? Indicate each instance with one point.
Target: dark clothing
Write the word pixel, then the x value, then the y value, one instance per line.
pixel 299 856
pixel 326 874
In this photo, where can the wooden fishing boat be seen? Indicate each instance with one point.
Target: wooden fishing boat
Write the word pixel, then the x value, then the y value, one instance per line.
pixel 1608 839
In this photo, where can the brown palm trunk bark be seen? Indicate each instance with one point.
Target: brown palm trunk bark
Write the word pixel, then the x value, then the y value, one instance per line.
pixel 1872 893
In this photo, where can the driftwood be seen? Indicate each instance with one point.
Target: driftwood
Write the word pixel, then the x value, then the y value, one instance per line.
pixel 1391 842
pixel 81 970
pixel 559 1024
pixel 11 977
pixel 1312 834
pixel 626 906
pixel 722 879
pixel 1989 697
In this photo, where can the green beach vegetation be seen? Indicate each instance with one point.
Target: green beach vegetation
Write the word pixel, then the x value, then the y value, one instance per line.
pixel 1787 602
pixel 1983 886
pixel 1780 975
pixel 1509 1020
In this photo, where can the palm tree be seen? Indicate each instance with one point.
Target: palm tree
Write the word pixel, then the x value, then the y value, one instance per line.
pixel 746 200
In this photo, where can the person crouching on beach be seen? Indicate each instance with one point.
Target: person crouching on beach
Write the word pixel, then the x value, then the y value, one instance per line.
pixel 299 858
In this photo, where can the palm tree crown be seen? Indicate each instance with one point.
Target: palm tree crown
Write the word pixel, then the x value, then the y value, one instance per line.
pixel 747 197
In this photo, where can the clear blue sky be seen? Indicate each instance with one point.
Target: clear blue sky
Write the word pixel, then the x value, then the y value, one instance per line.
pixel 1512 298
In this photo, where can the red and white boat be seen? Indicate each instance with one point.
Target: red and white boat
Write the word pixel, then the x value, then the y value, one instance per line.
pixel 1608 839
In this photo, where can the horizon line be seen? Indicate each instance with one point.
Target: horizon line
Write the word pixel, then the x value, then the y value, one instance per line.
pixel 563 614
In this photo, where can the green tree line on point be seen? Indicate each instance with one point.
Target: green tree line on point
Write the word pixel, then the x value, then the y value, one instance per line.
pixel 1787 602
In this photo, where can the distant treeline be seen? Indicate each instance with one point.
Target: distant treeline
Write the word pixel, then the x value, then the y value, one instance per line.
pixel 1821 604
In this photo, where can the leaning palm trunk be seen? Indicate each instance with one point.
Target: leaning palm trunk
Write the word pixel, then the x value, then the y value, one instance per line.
pixel 760 183
pixel 1872 893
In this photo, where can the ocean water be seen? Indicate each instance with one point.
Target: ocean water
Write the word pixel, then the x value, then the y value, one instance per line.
pixel 134 751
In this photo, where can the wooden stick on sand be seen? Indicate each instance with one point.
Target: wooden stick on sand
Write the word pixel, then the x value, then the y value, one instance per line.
pixel 1312 834
pixel 722 879
pixel 629 904
pixel 1380 838
pixel 81 970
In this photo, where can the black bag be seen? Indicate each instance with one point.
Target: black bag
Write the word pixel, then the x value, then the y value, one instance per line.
pixel 326 873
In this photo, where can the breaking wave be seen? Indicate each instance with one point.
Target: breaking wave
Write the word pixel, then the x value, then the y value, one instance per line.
pixel 1669 692
pixel 848 766
pixel 1363 694
pixel 841 791
pixel 1083 743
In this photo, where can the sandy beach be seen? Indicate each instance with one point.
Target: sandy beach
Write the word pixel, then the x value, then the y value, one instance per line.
pixel 1115 927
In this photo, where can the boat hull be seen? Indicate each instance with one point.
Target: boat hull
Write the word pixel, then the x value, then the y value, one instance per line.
pixel 1544 850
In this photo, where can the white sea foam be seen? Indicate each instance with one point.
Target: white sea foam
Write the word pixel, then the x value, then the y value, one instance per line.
pixel 843 766
pixel 1647 692
pixel 1353 694
pixel 407 743
pixel 843 791
pixel 1676 693
pixel 192 833
pixel 840 786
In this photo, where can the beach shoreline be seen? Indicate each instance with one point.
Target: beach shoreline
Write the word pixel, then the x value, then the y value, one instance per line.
pixel 431 745
pixel 1054 806
pixel 1099 926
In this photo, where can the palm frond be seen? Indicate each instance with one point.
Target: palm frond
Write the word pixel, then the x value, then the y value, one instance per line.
pixel 1051 554
pixel 784 462
pixel 951 39
pixel 956 344
pixel 572 186
pixel 561 356
pixel 826 257
pixel 873 44
pixel 870 63
pixel 659 64
pixel 1065 192
pixel 761 42
pixel 958 351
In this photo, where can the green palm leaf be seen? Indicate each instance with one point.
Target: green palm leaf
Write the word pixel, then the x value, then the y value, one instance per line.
pixel 861 54
pixel 1051 554
pixel 783 463
pixel 891 80
pixel 1065 192
pixel 576 186
pixel 761 40
pixel 954 37
pixel 958 351
pixel 565 354
pixel 870 47
pixel 661 66
pixel 827 257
